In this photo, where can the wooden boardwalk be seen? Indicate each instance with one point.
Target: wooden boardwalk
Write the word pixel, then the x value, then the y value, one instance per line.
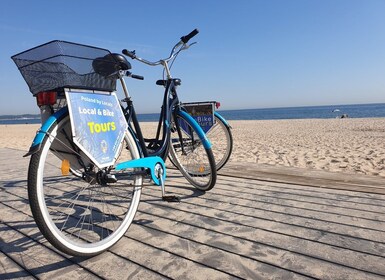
pixel 258 222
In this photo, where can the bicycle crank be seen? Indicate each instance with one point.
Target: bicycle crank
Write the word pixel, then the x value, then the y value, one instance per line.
pixel 169 198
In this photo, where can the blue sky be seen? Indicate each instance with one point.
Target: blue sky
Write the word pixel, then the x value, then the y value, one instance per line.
pixel 250 54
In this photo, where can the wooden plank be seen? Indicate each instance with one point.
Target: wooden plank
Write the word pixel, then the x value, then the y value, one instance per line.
pixel 307 177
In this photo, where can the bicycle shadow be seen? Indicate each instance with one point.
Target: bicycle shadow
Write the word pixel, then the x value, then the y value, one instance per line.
pixel 24 242
pixel 21 242
pixel 20 222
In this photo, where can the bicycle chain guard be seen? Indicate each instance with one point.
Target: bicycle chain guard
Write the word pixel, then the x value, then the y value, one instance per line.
pixel 154 164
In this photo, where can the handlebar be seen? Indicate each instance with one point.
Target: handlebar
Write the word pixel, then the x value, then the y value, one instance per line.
pixel 132 55
pixel 182 44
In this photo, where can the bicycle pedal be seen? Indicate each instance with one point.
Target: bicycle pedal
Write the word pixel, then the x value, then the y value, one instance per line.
pixel 171 198
pixel 111 178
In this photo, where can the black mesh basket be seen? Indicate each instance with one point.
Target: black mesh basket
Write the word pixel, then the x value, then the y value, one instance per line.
pixel 59 64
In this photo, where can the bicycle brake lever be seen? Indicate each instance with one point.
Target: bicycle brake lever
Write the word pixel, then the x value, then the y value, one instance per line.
pixel 186 46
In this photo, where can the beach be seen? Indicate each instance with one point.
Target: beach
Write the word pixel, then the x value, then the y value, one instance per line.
pixel 337 145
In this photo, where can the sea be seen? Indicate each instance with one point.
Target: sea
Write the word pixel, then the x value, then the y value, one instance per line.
pixel 309 112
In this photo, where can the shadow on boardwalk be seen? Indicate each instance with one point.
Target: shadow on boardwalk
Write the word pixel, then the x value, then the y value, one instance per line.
pixel 259 222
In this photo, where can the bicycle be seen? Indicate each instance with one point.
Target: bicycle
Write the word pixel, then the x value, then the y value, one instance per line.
pixel 84 191
pixel 174 125
pixel 218 132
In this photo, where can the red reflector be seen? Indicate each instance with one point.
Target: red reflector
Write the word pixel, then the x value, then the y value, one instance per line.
pixel 217 104
pixel 46 98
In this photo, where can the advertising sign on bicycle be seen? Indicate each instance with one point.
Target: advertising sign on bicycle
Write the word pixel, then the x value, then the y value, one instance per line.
pixel 202 112
pixel 98 124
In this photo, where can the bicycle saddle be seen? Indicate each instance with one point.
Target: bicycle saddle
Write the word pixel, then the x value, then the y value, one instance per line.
pixel 110 64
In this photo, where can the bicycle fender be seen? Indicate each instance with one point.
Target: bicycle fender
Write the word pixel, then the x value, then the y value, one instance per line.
pixel 147 162
pixel 205 141
pixel 36 143
pixel 222 119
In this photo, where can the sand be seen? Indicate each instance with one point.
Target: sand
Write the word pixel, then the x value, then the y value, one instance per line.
pixel 337 145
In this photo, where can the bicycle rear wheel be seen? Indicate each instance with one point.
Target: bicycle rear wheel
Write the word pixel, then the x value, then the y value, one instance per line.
pixel 190 156
pixel 80 209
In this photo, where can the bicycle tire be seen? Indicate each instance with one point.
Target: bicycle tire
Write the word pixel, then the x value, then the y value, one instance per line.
pixel 76 213
pixel 195 161
pixel 217 134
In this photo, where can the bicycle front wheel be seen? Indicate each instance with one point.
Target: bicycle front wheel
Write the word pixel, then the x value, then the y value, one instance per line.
pixel 222 140
pixel 80 209
pixel 190 156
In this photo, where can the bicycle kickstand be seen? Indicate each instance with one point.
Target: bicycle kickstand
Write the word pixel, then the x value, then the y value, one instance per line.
pixel 169 198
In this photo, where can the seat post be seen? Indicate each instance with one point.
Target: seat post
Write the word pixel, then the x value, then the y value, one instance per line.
pixel 123 83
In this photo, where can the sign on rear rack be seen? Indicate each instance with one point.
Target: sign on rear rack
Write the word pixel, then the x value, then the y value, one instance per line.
pixel 202 112
pixel 98 124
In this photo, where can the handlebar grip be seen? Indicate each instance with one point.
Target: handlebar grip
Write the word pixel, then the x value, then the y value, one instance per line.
pixel 186 38
pixel 137 77
pixel 129 54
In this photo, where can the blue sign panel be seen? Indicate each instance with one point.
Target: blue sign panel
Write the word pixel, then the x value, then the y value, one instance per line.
pixel 202 112
pixel 98 124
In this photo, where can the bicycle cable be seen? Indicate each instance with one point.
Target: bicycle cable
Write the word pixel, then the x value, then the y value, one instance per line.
pixel 172 61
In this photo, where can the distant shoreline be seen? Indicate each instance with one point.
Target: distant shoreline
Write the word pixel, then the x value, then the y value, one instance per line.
pixel 375 110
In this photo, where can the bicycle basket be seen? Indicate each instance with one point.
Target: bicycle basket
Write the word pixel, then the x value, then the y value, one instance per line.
pixel 58 64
